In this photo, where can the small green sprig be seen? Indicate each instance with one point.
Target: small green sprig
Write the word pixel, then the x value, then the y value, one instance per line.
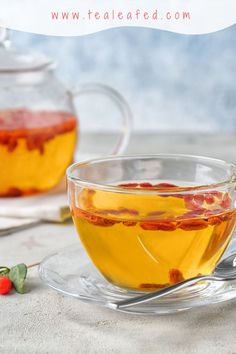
pixel 17 275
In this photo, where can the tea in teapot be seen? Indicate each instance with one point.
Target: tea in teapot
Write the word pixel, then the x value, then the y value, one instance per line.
pixel 35 149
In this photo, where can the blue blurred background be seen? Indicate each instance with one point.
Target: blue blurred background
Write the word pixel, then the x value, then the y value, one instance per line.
pixel 171 81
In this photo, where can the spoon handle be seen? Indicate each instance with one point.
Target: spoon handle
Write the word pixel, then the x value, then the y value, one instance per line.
pixel 160 293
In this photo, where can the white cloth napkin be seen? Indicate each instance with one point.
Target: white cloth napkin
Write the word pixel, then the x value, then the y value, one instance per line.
pixel 10 225
pixel 22 212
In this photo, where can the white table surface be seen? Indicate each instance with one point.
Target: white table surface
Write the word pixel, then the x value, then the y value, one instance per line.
pixel 44 321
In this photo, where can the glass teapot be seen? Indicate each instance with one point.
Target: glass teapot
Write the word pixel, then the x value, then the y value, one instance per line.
pixel 38 122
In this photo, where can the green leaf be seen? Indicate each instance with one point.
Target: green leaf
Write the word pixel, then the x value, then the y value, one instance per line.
pixel 17 275
pixel 4 271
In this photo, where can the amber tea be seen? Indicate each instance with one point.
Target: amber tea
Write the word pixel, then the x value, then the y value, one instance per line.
pixel 35 149
pixel 146 242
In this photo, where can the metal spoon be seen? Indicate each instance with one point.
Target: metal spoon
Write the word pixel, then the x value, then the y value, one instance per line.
pixel 225 270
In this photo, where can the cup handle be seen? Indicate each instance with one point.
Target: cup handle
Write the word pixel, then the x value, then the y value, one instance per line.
pixel 120 103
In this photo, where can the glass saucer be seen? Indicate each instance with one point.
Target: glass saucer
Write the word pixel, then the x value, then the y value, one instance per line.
pixel 71 272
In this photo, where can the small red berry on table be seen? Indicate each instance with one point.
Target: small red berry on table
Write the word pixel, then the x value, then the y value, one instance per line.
pixel 5 285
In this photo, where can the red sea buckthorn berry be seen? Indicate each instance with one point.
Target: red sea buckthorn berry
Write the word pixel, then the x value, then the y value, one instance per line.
pixel 214 220
pixel 209 199
pixel 165 185
pixel 190 203
pixel 157 225
pixel 127 211
pixel 226 202
pixel 14 192
pixel 129 223
pixel 5 285
pixel 192 214
pixel 193 224
pixel 175 276
pixel 128 185
pixel 226 216
pixel 12 144
pixel 98 221
pixel 146 185
pixel 199 198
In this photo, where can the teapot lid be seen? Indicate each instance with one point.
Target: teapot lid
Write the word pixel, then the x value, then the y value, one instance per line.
pixel 12 61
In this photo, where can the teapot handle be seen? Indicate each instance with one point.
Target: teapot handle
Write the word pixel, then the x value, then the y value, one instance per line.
pixel 120 103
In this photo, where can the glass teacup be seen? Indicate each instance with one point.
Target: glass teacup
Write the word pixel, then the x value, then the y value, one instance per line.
pixel 150 221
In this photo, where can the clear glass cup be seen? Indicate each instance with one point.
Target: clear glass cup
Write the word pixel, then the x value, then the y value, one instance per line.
pixel 150 221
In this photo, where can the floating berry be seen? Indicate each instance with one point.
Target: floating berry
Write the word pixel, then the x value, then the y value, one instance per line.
pixel 194 224
pixel 226 202
pixel 128 185
pixel 209 199
pixel 214 220
pixel 5 285
pixel 165 185
pixel 157 225
pixel 199 198
pixel 145 185
pixel 175 276
pixel 129 223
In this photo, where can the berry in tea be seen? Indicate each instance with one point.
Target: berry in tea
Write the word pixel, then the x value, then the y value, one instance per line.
pixel 35 149
pixel 149 241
